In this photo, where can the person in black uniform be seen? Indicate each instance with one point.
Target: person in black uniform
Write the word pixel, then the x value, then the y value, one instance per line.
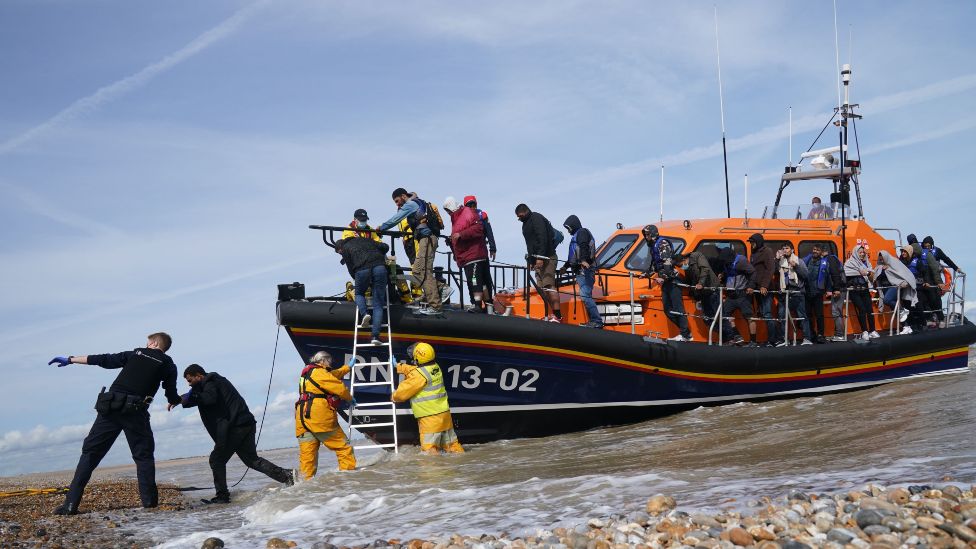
pixel 231 426
pixel 125 408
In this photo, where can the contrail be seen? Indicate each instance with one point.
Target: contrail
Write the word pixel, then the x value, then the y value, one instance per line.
pixel 121 87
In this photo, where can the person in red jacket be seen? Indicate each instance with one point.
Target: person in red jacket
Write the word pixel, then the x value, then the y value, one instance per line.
pixel 470 251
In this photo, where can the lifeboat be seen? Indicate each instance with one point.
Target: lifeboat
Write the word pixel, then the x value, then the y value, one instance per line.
pixel 512 375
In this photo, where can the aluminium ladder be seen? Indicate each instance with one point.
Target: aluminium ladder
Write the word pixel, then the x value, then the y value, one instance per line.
pixel 382 405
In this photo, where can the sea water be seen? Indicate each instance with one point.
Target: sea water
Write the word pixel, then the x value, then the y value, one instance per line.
pixel 915 431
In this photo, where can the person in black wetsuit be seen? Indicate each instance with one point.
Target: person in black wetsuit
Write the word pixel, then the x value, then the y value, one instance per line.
pixel 231 426
pixel 125 408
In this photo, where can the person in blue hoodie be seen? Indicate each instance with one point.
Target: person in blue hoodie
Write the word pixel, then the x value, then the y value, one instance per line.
pixel 581 258
pixel 823 280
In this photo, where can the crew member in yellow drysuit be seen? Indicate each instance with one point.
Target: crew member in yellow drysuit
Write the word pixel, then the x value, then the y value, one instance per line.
pixel 319 392
pixel 359 227
pixel 423 386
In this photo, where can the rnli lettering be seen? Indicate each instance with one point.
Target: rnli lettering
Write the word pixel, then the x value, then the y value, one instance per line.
pixel 470 377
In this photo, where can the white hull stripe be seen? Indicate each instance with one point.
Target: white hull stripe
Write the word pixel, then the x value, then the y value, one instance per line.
pixel 676 401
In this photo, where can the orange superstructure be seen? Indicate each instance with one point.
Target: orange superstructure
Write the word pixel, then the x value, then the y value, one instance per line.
pixel 620 290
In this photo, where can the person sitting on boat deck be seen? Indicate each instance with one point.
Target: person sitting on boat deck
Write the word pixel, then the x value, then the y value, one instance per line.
pixel 703 281
pixel 470 250
pixel 661 270
pixel 423 386
pixel 928 275
pixel 764 262
pixel 230 424
pixel 580 260
pixel 124 408
pixel 359 227
pixel 540 252
pixel 365 259
pixel 320 393
pixel 819 211
pixel 740 280
pixel 860 280
pixel 426 225
pixel 903 284
pixel 471 201
pixel 791 282
pixel 823 278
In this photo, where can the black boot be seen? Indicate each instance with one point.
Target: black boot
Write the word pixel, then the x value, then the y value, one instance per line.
pixel 66 508
pixel 217 499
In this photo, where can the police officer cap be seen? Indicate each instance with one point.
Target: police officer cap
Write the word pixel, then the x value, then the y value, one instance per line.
pixel 650 230
pixel 360 215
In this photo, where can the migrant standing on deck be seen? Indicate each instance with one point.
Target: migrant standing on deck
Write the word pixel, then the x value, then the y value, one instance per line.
pixel 472 202
pixel 425 225
pixel 540 253
pixel 740 280
pixel 582 254
pixel 320 393
pixel 470 250
pixel 764 262
pixel 661 270
pixel 423 386
pixel 125 408
pixel 230 424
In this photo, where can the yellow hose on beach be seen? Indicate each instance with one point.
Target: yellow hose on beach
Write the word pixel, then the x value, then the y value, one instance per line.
pixel 33 492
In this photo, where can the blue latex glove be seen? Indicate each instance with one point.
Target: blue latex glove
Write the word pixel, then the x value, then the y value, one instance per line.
pixel 61 361
pixel 353 403
pixel 185 398
pixel 352 362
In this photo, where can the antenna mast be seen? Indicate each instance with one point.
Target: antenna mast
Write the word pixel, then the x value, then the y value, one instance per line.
pixel 721 108
pixel 662 193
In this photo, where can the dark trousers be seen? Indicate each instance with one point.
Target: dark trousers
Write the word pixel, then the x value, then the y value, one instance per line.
pixel 674 307
pixel 815 308
pixel 863 309
pixel 765 308
pixel 99 441
pixel 374 278
pixel 930 301
pixel 240 441
pixel 479 280
pixel 738 302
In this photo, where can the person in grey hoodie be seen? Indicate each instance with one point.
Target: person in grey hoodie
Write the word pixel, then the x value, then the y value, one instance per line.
pixel 791 278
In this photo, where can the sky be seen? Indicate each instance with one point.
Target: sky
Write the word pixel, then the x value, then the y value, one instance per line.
pixel 160 162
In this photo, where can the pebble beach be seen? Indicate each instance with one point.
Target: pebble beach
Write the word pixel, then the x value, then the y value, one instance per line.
pixel 941 516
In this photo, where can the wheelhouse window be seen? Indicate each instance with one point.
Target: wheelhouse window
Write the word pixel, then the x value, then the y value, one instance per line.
pixel 611 252
pixel 806 247
pixel 640 260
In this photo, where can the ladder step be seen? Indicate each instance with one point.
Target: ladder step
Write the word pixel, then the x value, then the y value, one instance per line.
pixel 369 383
pixel 369 446
pixel 373 404
pixel 360 364
pixel 362 425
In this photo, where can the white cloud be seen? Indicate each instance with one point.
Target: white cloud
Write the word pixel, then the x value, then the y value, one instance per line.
pixel 42 435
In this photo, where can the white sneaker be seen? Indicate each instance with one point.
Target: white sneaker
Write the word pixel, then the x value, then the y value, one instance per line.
pixel 807 342
pixel 874 335
pixel 903 315
pixel 838 338
pixel 365 321
pixel 679 337
pixel 905 331
pixel 782 343
pixel 375 342
pixel 865 335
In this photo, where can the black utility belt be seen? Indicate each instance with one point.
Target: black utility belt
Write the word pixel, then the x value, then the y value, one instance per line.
pixel 113 402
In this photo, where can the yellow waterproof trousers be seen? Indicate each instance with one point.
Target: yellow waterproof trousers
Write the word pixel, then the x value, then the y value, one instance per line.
pixel 437 434
pixel 308 451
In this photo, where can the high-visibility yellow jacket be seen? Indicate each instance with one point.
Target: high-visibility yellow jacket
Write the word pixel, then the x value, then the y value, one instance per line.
pixel 424 387
pixel 316 415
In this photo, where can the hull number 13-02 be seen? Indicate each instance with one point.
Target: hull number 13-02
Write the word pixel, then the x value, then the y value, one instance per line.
pixel 470 377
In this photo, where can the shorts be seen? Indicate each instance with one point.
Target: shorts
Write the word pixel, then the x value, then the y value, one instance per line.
pixel 545 276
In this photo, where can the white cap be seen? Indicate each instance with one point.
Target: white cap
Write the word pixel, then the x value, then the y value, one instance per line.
pixel 451 204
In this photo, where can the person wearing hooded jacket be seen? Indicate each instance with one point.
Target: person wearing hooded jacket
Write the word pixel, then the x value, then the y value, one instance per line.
pixel 860 280
pixel 764 263
pixel 320 392
pixel 703 280
pixel 470 251
pixel 740 280
pixel 471 201
pixel 928 275
pixel 231 426
pixel 581 259
pixel 661 270
pixel 897 274
pixel 928 245
pixel 790 280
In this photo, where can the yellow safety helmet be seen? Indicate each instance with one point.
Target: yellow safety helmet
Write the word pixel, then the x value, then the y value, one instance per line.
pixel 421 353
